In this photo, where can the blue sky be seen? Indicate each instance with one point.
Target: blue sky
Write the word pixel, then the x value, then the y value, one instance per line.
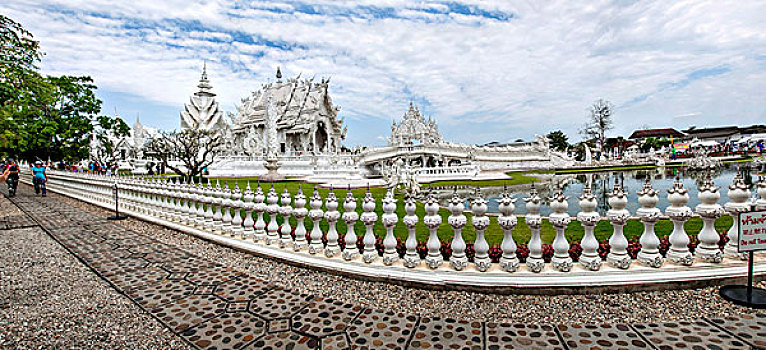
pixel 485 70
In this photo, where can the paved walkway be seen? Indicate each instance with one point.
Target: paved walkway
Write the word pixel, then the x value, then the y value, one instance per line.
pixel 215 307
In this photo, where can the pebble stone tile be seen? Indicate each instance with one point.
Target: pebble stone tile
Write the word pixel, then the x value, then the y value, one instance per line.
pixel 160 293
pixel 750 328
pixel 601 336
pixel 286 340
pixel 226 331
pixel 695 335
pixel 242 288
pixel 189 311
pixel 216 307
pixel 447 333
pixel 521 336
pixel 381 330
pixel 279 304
pixel 213 275
pixel 324 317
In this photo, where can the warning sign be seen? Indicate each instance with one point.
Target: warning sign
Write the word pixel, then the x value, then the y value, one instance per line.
pixel 752 231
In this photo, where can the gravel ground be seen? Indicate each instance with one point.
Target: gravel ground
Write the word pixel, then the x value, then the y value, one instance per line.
pixel 50 300
pixel 625 307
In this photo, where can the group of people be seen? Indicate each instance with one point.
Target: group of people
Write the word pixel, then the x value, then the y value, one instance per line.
pixel 10 175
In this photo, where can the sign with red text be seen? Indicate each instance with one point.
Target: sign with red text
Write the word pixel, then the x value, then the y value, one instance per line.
pixel 752 231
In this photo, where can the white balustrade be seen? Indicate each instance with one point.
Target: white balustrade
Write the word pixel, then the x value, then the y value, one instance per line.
pixel 679 213
pixel 535 261
pixel 411 257
pixel 285 210
pixel 457 220
pixel 432 220
pixel 480 222
pixel 237 205
pixel 272 236
pixel 260 207
pixel 226 218
pixel 369 254
pixel 389 220
pixel 649 214
pixel 507 221
pixel 350 216
pixel 709 210
pixel 247 225
pixel 331 216
pixel 316 214
pixel 561 260
pixel 217 201
pixel 589 218
pixel 219 210
pixel 300 214
pixel 618 217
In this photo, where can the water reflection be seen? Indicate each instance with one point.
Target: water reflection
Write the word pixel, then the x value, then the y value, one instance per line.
pixel 602 183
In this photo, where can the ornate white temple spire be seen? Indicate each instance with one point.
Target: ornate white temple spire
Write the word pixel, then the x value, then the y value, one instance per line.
pixel 204 84
pixel 202 111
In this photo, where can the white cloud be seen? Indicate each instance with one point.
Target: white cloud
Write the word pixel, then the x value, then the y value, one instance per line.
pixel 517 68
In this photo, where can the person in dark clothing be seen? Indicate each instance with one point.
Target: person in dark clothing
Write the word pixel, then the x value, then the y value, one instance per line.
pixel 13 178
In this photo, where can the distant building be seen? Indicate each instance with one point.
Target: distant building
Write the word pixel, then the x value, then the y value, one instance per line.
pixel 722 134
pixel 666 133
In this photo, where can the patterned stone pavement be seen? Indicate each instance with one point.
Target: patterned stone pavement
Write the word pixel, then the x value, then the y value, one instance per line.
pixel 216 307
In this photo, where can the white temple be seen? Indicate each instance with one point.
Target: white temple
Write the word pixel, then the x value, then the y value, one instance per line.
pixel 202 112
pixel 294 124
pixel 306 123
pixel 415 142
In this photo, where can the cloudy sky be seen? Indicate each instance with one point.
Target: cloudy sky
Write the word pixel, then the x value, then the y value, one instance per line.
pixel 485 70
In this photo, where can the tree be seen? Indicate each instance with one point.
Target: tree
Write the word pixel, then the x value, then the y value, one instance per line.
pixel 599 122
pixel 41 116
pixel 558 140
pixel 108 131
pixel 196 149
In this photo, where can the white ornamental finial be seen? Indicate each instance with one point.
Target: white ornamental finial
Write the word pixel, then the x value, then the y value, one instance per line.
pixel 390 255
pixel 368 218
pixel 480 222
pixel 507 221
pixel 457 220
pixel 560 219
pixel 535 260
pixel 300 213
pixel 650 253
pixel 331 216
pixel 350 216
pixel 709 210
pixel 618 216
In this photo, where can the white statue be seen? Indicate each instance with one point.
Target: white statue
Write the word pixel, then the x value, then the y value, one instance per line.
pixel 588 155
pixel 271 127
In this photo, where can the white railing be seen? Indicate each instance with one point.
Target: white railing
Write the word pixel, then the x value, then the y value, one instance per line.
pixel 207 212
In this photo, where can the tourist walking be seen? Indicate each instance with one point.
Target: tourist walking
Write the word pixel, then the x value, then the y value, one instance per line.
pixel 39 178
pixel 13 177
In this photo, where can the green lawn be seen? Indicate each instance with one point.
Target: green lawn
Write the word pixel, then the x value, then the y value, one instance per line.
pixel 493 234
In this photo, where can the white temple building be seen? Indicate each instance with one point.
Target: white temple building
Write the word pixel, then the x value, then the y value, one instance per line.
pixel 202 112
pixel 307 121
pixel 296 123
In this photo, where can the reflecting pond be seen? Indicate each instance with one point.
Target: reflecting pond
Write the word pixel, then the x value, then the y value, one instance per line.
pixel 603 182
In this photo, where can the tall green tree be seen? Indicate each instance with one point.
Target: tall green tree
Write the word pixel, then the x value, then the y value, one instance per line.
pixel 41 116
pixel 558 140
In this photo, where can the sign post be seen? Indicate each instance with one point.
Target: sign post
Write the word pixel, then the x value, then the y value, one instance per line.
pixel 116 215
pixel 752 237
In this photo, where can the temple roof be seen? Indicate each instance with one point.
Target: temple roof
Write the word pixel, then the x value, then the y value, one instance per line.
pixel 300 103
pixel 414 127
